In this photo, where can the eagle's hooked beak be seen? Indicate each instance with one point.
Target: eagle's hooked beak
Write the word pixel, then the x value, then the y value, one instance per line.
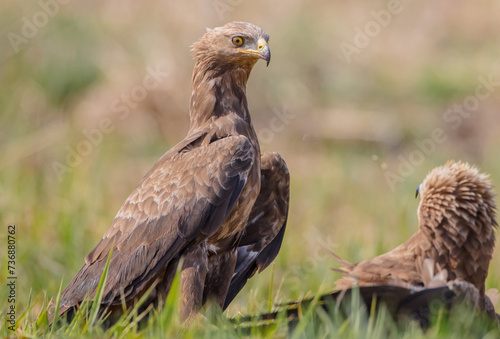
pixel 262 51
pixel 418 190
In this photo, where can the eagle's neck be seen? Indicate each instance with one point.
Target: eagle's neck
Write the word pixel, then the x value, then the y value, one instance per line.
pixel 217 93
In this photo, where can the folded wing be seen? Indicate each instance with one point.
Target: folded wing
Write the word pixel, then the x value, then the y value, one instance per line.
pixel 265 229
pixel 185 197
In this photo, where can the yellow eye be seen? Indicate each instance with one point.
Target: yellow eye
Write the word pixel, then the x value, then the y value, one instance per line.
pixel 238 40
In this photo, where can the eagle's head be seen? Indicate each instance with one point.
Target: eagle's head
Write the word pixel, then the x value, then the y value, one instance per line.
pixel 457 202
pixel 236 44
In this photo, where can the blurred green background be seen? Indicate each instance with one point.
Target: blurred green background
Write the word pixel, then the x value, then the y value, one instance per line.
pixel 79 129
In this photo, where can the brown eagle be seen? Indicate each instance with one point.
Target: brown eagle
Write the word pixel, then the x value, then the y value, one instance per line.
pixel 456 218
pixel 212 202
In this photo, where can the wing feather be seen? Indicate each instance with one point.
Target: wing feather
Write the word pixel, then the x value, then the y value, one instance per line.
pixel 169 208
pixel 266 225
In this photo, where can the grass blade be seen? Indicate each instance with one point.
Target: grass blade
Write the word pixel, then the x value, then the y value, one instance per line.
pixel 94 311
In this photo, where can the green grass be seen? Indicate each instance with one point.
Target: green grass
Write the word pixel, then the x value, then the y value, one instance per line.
pixel 315 322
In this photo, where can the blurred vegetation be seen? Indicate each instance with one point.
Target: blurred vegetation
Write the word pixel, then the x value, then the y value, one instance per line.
pixel 347 124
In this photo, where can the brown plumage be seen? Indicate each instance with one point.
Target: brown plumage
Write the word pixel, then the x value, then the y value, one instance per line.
pixel 456 219
pixel 194 204
pixel 264 232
